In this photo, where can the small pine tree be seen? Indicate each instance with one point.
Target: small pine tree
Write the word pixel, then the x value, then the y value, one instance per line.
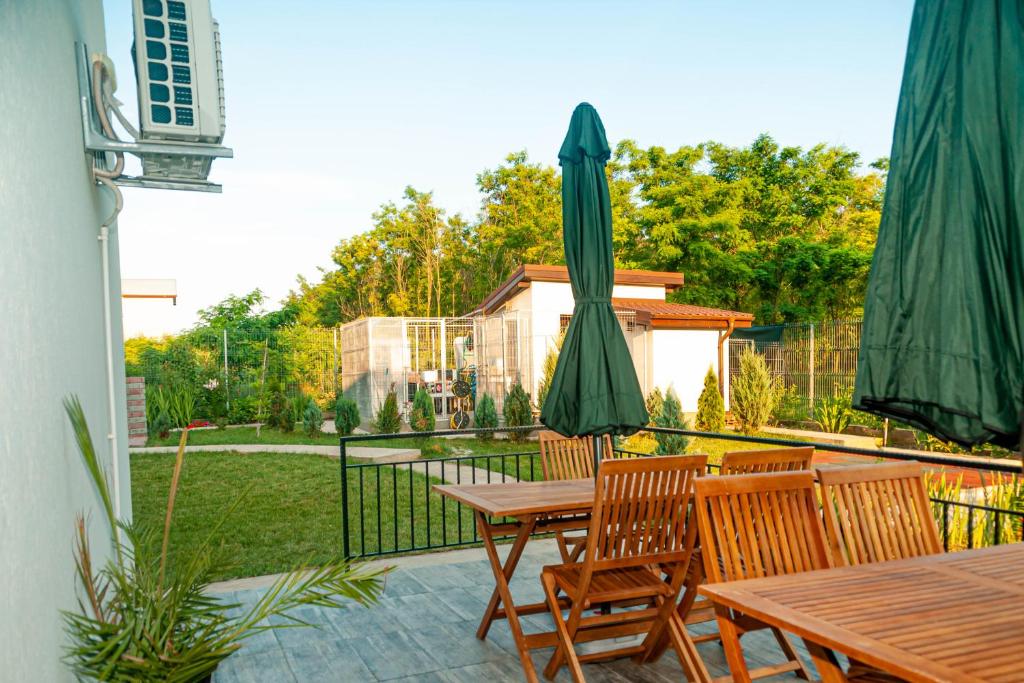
pixel 653 402
pixel 670 417
pixel 346 415
pixel 550 363
pixel 312 419
pixel 517 411
pixel 280 411
pixel 388 420
pixel 161 425
pixel 754 393
pixel 710 406
pixel 421 417
pixel 485 416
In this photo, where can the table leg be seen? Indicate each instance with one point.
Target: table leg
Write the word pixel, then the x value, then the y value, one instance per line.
pixel 502 592
pixel 825 660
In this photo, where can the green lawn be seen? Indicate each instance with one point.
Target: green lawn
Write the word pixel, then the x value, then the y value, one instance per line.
pixel 292 508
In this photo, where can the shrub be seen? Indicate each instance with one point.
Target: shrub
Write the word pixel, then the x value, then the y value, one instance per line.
pixel 388 420
pixel 312 419
pixel 298 404
pixel 243 410
pixel 485 416
pixel 280 412
pixel 653 403
pixel 755 393
pixel 436 448
pixel 421 417
pixel 670 417
pixel 346 415
pixel 710 406
pixel 833 414
pixel 791 406
pixel 161 425
pixel 550 363
pixel 517 410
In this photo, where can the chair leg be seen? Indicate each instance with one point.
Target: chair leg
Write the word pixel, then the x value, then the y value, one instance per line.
pixel 686 649
pixel 731 644
pixel 563 549
pixel 791 655
pixel 565 647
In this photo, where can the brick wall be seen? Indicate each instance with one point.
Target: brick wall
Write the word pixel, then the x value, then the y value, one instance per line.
pixel 137 431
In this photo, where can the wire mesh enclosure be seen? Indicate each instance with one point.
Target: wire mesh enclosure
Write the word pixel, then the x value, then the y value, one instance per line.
pixel 454 359
pixel 814 360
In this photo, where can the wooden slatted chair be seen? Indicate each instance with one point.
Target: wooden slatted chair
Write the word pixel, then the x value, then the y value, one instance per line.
pixel 877 512
pixel 758 525
pixel 569 457
pixel 641 521
pixel 773 460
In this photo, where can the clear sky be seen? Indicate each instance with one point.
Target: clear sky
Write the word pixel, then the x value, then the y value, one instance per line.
pixel 334 107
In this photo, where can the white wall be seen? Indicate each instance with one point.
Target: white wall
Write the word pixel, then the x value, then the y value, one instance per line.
pixel 51 336
pixel 681 358
pixel 548 301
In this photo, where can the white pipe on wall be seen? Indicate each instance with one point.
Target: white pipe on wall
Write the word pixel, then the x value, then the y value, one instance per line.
pixel 115 457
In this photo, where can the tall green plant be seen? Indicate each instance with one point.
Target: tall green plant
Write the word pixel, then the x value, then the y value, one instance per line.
pixel 421 417
pixel 754 393
pixel 653 403
pixel 346 415
pixel 142 620
pixel 388 420
pixel 517 411
pixel 670 417
pixel 548 369
pixel 710 406
pixel 833 414
pixel 312 420
pixel 485 416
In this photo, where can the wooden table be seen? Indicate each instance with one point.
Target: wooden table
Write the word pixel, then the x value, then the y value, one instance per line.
pixel 536 506
pixel 950 617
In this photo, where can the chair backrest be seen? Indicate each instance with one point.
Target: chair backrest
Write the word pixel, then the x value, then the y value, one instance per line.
pixel 756 525
pixel 774 460
pixel 569 457
pixel 642 512
pixel 877 512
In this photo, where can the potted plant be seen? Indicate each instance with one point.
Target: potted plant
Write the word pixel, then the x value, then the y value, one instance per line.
pixel 139 619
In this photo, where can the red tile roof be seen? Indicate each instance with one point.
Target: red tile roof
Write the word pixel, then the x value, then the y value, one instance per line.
pixel 663 314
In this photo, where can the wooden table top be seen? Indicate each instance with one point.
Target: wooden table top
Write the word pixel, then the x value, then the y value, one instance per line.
pixel 950 617
pixel 522 498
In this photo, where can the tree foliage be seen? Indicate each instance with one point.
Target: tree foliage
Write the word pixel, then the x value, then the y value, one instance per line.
pixel 754 393
pixel 388 420
pixel 670 416
pixel 517 410
pixel 485 416
pixel 421 417
pixel 346 415
pixel 548 369
pixel 710 406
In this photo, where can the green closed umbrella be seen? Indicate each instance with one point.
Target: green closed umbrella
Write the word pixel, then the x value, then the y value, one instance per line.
pixel 594 390
pixel 943 337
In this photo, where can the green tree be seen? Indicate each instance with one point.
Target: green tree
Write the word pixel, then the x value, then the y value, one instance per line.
pixel 485 416
pixel 670 417
pixel 388 420
pixel 421 417
pixel 710 406
pixel 312 419
pixel 517 411
pixel 548 369
pixel 654 401
pixel 754 393
pixel 346 415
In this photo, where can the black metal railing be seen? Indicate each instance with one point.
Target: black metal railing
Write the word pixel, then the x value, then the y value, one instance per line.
pixel 389 508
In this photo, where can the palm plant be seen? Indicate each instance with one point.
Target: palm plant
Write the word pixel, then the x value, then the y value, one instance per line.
pixel 140 619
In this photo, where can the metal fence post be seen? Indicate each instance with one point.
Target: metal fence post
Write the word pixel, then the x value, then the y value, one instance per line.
pixel 810 376
pixel 344 500
pixel 335 362
pixel 227 395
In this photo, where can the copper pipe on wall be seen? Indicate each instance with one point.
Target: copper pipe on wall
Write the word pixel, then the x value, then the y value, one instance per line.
pixel 722 336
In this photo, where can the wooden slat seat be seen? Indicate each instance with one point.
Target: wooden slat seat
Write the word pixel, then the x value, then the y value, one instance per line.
pixel 764 461
pixel 640 527
pixel 613 585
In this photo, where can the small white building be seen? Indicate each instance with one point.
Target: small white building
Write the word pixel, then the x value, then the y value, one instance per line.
pixel 673 345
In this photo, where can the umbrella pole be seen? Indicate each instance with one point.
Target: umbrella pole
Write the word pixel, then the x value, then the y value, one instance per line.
pixel 597 452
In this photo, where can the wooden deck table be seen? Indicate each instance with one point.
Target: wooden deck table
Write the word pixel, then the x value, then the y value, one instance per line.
pixel 536 506
pixel 950 617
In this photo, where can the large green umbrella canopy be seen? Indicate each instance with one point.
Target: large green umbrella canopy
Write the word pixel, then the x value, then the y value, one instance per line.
pixel 943 338
pixel 594 389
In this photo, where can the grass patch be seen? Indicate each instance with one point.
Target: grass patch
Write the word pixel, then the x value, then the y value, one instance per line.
pixel 292 510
